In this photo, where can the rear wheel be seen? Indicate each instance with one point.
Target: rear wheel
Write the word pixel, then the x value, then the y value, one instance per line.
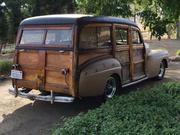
pixel 162 70
pixel 111 87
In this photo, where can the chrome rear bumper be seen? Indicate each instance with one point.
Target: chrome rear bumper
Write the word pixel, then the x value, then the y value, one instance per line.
pixel 50 98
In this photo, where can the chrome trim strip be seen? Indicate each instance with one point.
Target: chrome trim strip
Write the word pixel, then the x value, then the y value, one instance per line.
pixel 125 85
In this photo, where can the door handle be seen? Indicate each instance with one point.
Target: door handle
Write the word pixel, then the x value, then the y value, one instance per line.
pixel 61 51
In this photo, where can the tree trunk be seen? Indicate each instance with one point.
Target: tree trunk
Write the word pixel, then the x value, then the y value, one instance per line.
pixel 135 18
pixel 178 30
pixel 1 46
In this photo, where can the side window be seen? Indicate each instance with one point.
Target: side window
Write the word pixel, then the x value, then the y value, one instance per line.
pixel 136 37
pixel 104 39
pixel 95 37
pixel 121 36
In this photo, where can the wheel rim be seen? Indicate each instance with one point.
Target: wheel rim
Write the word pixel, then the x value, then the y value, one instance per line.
pixel 161 71
pixel 111 87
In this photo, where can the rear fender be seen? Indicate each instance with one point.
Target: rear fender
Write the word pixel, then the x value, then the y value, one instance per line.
pixel 93 77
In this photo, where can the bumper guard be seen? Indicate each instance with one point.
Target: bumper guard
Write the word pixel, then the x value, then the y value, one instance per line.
pixel 50 98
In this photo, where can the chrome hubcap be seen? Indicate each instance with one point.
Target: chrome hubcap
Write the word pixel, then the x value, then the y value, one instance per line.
pixel 161 71
pixel 110 87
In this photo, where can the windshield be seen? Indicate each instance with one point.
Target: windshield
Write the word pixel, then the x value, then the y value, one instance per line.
pixel 52 37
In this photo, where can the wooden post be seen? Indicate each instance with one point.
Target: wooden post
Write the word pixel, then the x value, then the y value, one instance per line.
pixel 178 30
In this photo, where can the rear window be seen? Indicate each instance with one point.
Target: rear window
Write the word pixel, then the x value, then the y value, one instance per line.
pixel 58 37
pixel 32 37
pixel 55 37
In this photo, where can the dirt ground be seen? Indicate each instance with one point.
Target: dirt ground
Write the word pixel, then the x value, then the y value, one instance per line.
pixel 23 117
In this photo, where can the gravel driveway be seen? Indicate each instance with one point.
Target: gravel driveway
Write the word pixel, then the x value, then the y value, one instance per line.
pixel 23 117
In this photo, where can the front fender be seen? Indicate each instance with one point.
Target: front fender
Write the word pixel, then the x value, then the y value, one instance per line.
pixel 154 58
pixel 93 77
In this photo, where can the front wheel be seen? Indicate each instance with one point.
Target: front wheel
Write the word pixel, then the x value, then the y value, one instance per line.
pixel 162 70
pixel 111 87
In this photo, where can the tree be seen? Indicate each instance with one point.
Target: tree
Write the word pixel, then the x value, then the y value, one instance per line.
pixel 156 24
pixel 52 7
pixel 158 14
pixel 17 10
pixel 3 26
pixel 105 7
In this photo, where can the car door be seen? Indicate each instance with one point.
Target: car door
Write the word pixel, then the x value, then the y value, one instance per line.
pixel 122 51
pixel 137 55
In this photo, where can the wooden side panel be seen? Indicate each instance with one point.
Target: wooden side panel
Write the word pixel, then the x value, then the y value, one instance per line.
pixel 91 55
pixel 122 54
pixel 139 70
pixel 28 58
pixel 43 70
pixel 58 59
pixel 30 64
pixel 55 80
pixel 138 62
pixel 138 54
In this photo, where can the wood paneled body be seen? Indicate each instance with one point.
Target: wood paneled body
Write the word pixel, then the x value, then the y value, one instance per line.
pixel 43 65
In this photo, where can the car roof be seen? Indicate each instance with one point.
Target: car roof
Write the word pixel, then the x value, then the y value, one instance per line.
pixel 74 19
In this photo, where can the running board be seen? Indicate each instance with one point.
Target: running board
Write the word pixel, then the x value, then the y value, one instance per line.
pixel 138 81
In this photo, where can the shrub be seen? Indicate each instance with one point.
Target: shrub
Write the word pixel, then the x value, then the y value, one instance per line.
pixel 143 112
pixel 178 53
pixel 5 67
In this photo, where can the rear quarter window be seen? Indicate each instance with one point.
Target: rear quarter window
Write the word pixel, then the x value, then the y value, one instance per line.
pixel 95 37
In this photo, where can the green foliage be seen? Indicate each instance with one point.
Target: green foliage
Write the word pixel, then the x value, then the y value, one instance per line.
pixel 143 112
pixel 163 12
pixel 5 67
pixel 17 10
pixel 158 14
pixel 105 7
pixel 156 24
pixel 41 7
pixel 178 52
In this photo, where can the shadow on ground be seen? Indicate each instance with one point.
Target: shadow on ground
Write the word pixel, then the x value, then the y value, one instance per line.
pixel 27 119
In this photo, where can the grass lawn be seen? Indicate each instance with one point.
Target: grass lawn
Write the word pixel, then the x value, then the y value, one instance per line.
pixel 143 112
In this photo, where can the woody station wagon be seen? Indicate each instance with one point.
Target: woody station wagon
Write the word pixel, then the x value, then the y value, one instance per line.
pixel 64 57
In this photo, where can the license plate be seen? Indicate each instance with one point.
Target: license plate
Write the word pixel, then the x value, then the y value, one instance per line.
pixel 16 74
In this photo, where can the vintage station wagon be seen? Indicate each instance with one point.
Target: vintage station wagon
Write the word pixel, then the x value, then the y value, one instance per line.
pixel 65 57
